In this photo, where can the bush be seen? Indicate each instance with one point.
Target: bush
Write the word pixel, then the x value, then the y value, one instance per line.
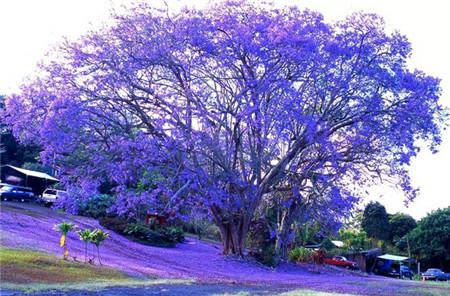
pixel 301 254
pixel 160 237
pixel 260 243
pixel 203 231
pixel 96 206
pixel 114 223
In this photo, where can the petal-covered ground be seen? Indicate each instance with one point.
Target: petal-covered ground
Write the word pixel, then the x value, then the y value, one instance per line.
pixel 31 226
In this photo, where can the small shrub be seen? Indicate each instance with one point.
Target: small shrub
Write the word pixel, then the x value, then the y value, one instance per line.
pixel 174 233
pixel 160 237
pixel 114 223
pixel 301 254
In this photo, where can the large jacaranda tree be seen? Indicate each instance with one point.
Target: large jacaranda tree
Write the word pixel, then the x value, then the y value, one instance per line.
pixel 226 106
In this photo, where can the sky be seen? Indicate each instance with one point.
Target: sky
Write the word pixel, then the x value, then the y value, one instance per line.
pixel 29 29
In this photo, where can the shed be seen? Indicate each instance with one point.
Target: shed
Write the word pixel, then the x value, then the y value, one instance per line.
pixel 38 181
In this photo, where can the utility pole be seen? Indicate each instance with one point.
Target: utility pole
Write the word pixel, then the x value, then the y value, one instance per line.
pixel 409 253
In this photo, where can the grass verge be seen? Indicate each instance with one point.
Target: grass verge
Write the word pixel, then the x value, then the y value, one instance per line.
pixel 24 266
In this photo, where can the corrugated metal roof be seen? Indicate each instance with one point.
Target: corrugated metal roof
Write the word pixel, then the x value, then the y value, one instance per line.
pixel 337 243
pixel 392 257
pixel 33 173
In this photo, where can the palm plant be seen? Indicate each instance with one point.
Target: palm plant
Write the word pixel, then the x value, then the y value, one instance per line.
pixel 97 237
pixel 85 236
pixel 64 228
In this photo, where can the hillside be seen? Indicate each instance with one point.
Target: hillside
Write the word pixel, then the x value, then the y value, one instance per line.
pixel 30 226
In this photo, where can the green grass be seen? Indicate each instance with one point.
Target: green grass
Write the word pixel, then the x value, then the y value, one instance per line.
pixel 93 285
pixel 24 266
pixel 303 292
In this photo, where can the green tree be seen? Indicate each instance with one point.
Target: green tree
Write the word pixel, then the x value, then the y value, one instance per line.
pixel 38 167
pixel 64 228
pixel 354 240
pixel 97 237
pixel 85 236
pixel 430 240
pixel 375 221
pixel 400 224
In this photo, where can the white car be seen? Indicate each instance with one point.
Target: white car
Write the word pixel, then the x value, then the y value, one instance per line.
pixel 50 195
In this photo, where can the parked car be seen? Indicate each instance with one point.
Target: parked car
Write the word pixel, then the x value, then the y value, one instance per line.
pixel 50 195
pixel 341 261
pixel 435 274
pixel 13 192
pixel 405 272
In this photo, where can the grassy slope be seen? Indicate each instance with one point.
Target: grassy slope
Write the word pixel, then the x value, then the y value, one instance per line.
pixel 24 266
pixel 27 226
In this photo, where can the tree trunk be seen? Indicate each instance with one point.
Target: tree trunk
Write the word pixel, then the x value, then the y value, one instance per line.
pixel 233 232
pixel 98 255
pixel 281 243
pixel 85 251
pixel 284 230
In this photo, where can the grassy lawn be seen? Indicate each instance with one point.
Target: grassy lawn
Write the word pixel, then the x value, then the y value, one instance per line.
pixel 37 272
pixel 24 266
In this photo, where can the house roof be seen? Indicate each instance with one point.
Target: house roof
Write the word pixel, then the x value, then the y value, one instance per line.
pixel 33 173
pixel 392 257
pixel 338 243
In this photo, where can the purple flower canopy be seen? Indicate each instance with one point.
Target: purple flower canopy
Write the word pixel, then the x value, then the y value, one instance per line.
pixel 224 106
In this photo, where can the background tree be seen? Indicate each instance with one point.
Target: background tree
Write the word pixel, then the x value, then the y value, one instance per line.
pixel 400 224
pixel 229 105
pixel 354 240
pixel 430 240
pixel 375 221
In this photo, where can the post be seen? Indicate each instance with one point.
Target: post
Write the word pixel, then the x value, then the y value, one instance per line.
pixel 418 268
pixel 409 253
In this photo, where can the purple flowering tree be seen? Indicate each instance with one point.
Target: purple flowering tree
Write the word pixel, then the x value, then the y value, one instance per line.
pixel 228 106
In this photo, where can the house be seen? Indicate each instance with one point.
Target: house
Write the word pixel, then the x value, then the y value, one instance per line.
pixel 37 181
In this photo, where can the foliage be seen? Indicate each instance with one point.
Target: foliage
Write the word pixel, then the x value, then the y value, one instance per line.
pixel 430 240
pixel 35 166
pixel 14 153
pixel 116 224
pixel 64 227
pixel 97 237
pixel 400 224
pixel 96 205
pixel 228 104
pixel 327 244
pixel 261 244
pixel 354 240
pixel 308 233
pixel 86 236
pixel 198 223
pixel 375 221
pixel 160 237
pixel 301 254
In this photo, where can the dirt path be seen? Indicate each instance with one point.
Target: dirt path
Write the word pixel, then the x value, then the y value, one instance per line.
pixel 31 226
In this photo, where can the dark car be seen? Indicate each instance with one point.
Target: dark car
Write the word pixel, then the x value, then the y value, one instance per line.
pixel 341 261
pixel 405 272
pixel 12 192
pixel 435 274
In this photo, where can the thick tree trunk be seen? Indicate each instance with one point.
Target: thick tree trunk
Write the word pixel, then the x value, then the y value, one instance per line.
pixel 233 232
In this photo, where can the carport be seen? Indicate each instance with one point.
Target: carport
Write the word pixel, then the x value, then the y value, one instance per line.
pixel 38 181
